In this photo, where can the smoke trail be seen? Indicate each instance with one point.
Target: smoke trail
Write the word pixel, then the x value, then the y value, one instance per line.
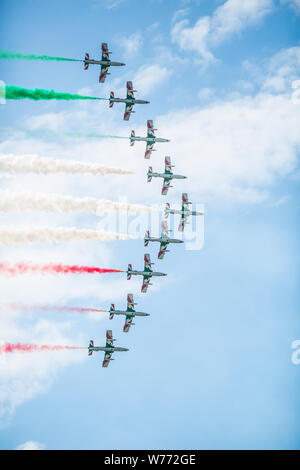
pixel 27 201
pixel 24 268
pixel 49 308
pixel 9 348
pixel 15 164
pixel 47 134
pixel 19 55
pixel 13 234
pixel 18 93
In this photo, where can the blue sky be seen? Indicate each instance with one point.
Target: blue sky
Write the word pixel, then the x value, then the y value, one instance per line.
pixel 211 367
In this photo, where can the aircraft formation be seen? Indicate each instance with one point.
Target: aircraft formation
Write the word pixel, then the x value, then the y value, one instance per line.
pixel 164 240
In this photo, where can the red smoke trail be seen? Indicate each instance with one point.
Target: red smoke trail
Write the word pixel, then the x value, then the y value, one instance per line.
pixel 9 347
pixel 47 308
pixel 23 268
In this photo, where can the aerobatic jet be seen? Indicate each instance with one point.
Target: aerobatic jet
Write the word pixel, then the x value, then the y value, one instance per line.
pixel 130 313
pixel 150 139
pixel 105 62
pixel 168 176
pixel 108 349
pixel 164 239
pixel 147 273
pixel 129 101
pixel 184 212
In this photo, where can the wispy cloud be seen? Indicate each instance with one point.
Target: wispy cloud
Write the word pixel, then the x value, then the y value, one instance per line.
pixel 230 18
pixel 131 44
pixel 31 445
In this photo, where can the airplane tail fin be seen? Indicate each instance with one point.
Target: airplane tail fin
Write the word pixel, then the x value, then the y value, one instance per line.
pixel 91 345
pixel 128 271
pixel 111 96
pixel 86 57
pixel 131 140
pixel 111 311
pixel 150 171
pixel 167 210
pixel 146 239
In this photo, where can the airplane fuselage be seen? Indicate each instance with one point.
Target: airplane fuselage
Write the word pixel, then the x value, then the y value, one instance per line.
pixel 104 348
pixel 150 140
pixel 186 213
pixel 130 314
pixel 167 176
pixel 132 101
pixel 102 62
pixel 163 240
pixel 146 273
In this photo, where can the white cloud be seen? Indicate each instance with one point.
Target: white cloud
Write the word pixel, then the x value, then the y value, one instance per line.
pixel 180 14
pixel 131 44
pixel 150 76
pixel 31 445
pixel 229 18
pixel 295 4
pixel 108 4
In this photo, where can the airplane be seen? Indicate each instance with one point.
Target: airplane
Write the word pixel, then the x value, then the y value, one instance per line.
pixel 168 176
pixel 184 212
pixel 150 139
pixel 130 313
pixel 164 239
pixel 147 273
pixel 129 101
pixel 108 349
pixel 105 62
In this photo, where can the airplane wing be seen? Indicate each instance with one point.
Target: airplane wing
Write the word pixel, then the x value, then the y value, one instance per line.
pixel 128 322
pixel 162 250
pixel 149 148
pixel 164 228
pixel 128 110
pixel 145 285
pixel 182 222
pixel 107 358
pixel 105 53
pixel 168 166
pixel 130 303
pixel 109 339
pixel 109 344
pixel 130 92
pixel 166 186
pixel 150 128
pixel 147 262
pixel 103 73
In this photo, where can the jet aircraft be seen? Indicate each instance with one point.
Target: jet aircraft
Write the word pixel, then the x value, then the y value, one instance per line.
pixel 108 349
pixel 164 239
pixel 130 313
pixel 129 101
pixel 105 62
pixel 168 175
pixel 150 139
pixel 147 273
pixel 184 212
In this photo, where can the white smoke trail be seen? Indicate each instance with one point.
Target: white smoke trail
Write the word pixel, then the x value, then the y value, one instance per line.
pixel 27 201
pixel 13 234
pixel 15 164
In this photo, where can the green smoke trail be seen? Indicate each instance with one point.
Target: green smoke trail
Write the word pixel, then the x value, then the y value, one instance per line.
pixel 17 93
pixel 19 55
